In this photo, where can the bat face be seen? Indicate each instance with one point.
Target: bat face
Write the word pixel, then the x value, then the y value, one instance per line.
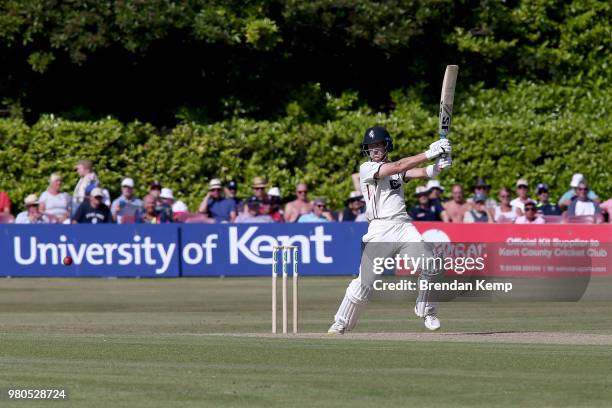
pixel 446 100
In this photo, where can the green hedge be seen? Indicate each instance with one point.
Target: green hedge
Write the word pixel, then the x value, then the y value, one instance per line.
pixel 538 131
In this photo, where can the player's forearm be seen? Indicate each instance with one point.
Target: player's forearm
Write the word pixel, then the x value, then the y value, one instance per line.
pixel 401 165
pixel 417 173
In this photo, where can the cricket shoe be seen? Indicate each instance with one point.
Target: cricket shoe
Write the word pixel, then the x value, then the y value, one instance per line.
pixel 431 319
pixel 336 329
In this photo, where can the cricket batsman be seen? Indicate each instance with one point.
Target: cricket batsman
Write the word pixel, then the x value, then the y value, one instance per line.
pixel 390 230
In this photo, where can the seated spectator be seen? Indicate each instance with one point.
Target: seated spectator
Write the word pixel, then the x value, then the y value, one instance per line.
pixel 319 213
pixel 522 189
pixel 354 207
pixel 215 206
pixel 582 205
pixel 530 216
pixel 258 187
pixel 480 213
pixel 231 191
pixel 155 190
pixel 435 190
pixel 606 209
pixel 179 211
pixel 424 210
pixel 457 206
pixel 55 204
pixel 505 212
pixel 481 186
pixel 87 177
pixel 252 213
pixel 127 206
pixel 300 206
pixel 5 203
pixel 92 210
pixel 568 196
pixel 165 201
pixel 272 205
pixel 31 215
pixel 150 215
pixel 544 206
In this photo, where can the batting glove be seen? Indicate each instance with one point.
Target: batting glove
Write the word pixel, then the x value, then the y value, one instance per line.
pixel 437 148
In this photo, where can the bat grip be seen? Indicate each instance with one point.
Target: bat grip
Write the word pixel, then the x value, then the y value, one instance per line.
pixel 443 155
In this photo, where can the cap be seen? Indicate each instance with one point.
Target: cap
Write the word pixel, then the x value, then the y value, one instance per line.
pixel 319 200
pixel 542 187
pixel 96 192
pixel 576 179
pixel 166 193
pixel 481 183
pixel 420 190
pixel 156 185
pixel 522 182
pixel 214 183
pixel 31 199
pixel 355 194
pixel 179 206
pixel 259 182
pixel 127 182
pixel 253 202
pixel 480 198
pixel 431 184
pixel 274 192
pixel 232 185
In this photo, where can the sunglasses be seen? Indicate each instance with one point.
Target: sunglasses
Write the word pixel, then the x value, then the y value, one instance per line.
pixel 529 209
pixel 302 192
pixel 504 196
pixel 525 187
pixel 320 206
pixel 258 188
pixel 581 189
pixel 215 189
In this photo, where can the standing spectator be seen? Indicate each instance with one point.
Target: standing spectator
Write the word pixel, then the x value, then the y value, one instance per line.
pixel 424 210
pixel 5 203
pixel 31 215
pixel 155 189
pixel 319 213
pixel 272 205
pixel 582 205
pixel 544 206
pixel 150 215
pixel 522 189
pixel 482 187
pixel 480 213
pixel 435 190
pixel 215 207
pixel 87 176
pixel 252 213
pixel 231 191
pixel 505 213
pixel 568 196
pixel 354 207
pixel 93 210
pixel 300 206
pixel 457 207
pixel 55 204
pixel 126 208
pixel 530 216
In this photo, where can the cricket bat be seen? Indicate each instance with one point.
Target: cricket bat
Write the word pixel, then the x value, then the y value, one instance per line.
pixel 446 100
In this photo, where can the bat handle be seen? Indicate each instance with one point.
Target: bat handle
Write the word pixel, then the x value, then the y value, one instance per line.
pixel 443 155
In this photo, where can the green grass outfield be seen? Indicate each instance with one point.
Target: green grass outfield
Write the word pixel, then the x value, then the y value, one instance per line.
pixel 205 343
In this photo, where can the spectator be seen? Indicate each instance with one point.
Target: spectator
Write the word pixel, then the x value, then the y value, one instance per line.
pixel 354 207
pixel 544 206
pixel 5 203
pixel 215 207
pixel 55 204
pixel 435 190
pixel 252 213
pixel 481 186
pixel 457 206
pixel 522 189
pixel 568 196
pixel 606 209
pixel 231 190
pixel 582 205
pixel 505 212
pixel 150 215
pixel 319 213
pixel 300 206
pixel 179 211
pixel 530 216
pixel 155 190
pixel 480 213
pixel 31 215
pixel 87 176
pixel 93 210
pixel 127 206
pixel 165 201
pixel 272 205
pixel 424 210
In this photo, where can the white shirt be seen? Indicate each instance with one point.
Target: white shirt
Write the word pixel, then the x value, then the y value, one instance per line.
pixel 523 220
pixel 58 204
pixel 509 216
pixel 518 203
pixel 384 197
pixel 585 208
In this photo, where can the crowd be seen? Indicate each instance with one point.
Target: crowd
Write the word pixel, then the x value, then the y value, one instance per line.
pixel 90 203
